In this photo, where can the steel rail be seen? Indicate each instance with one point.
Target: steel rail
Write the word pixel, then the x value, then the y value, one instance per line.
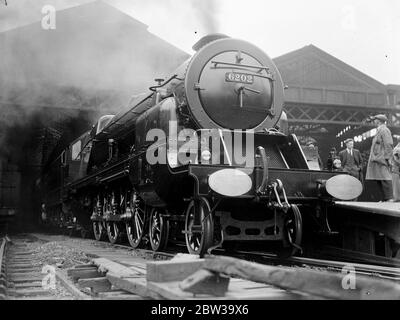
pixel 382 272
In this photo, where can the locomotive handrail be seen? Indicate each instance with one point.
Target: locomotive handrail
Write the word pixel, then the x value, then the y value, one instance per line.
pixel 241 65
pixel 274 131
pixel 264 160
pixel 153 88
pixel 269 75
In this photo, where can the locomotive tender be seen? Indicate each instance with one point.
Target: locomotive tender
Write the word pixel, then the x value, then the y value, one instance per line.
pixel 167 167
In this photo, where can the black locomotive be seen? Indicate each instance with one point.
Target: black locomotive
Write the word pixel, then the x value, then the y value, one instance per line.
pixel 171 166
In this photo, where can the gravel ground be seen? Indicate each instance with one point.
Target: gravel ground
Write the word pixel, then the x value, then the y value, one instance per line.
pixel 76 242
pixel 57 255
pixel 61 293
pixel 54 253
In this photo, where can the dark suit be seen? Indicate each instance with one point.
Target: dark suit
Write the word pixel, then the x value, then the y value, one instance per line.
pixel 352 163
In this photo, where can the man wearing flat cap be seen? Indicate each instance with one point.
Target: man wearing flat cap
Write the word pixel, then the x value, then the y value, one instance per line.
pixel 351 160
pixel 381 152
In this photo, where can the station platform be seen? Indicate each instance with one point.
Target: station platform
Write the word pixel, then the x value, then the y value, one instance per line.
pixel 383 208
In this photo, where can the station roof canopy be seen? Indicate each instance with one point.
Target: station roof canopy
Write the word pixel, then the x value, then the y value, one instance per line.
pixel 314 76
pixel 95 47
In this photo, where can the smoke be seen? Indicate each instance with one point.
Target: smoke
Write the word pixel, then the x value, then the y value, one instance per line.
pixel 55 83
pixel 95 59
pixel 202 14
pixel 18 13
pixel 207 10
pixel 181 22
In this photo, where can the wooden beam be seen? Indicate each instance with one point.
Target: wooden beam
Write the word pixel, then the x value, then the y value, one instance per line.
pixel 62 277
pixel 164 271
pixel 106 265
pixel 238 290
pixel 79 266
pixel 135 285
pixel 119 295
pixel 96 284
pixel 76 274
pixel 324 284
pixel 205 282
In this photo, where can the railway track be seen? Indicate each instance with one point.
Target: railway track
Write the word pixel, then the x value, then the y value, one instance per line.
pixel 388 273
pixel 333 265
pixel 383 268
pixel 24 276
pixel 3 280
pixel 378 271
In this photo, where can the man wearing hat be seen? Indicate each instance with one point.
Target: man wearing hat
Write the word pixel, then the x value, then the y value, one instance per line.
pixel 381 152
pixel 351 160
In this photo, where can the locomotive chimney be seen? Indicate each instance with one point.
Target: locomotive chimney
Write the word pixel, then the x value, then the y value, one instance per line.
pixel 207 39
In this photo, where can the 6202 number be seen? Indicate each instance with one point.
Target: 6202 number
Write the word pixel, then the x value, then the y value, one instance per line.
pixel 239 77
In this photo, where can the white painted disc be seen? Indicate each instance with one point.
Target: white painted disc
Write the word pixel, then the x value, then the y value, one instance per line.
pixel 230 182
pixel 344 187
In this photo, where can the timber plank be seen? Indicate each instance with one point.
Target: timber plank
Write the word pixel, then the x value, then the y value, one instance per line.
pixel 80 266
pixel 73 271
pixel 119 295
pixel 96 284
pixel 171 290
pixel 318 283
pixel 23 270
pixel 28 292
pixel 165 271
pixel 141 271
pixel 28 285
pixel 106 265
pixel 62 277
pixel 84 274
pixel 17 275
pixel 137 285
pixel 207 282
pixel 25 279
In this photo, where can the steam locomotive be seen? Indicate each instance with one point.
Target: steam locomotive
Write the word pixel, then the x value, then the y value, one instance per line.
pixel 201 158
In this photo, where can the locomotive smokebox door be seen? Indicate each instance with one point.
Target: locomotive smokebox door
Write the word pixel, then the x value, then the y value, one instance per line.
pixel 232 84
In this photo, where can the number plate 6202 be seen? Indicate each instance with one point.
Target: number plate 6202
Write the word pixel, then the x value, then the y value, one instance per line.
pixel 239 77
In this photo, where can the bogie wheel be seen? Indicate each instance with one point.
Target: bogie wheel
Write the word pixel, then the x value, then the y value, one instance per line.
pixel 158 229
pixel 112 227
pixel 199 240
pixel 136 227
pixel 293 229
pixel 98 230
pixel 113 232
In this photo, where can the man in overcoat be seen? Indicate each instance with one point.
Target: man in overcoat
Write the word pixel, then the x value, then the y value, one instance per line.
pixel 351 160
pixel 378 168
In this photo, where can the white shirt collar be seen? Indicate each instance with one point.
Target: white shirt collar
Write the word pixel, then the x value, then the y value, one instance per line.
pixel 381 126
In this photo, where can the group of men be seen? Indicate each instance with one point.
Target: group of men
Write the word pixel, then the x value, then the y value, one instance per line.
pixel 383 163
